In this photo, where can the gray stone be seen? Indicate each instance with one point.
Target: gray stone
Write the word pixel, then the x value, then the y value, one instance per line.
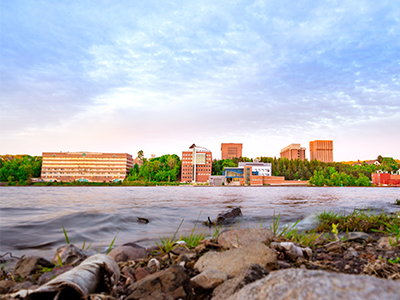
pixel 172 283
pixel 70 255
pixel 244 237
pixel 30 265
pixel 209 279
pixel 358 236
pixel 21 286
pixel 229 215
pixel 234 260
pixel 315 285
pixel 128 252
pixel 247 275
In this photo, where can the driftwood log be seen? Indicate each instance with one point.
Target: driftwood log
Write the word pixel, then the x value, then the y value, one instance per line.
pixel 226 216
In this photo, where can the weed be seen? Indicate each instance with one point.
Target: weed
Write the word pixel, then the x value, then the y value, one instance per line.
pixel 217 231
pixel 167 244
pixel 112 243
pixel 65 234
pixel 287 231
pixel 394 261
pixel 358 220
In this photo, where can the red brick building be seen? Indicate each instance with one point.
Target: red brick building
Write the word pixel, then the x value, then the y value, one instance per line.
pixel 85 166
pixel 385 179
pixel 294 151
pixel 321 150
pixel 196 164
pixel 231 150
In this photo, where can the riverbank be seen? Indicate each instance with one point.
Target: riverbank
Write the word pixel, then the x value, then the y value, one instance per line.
pixel 361 247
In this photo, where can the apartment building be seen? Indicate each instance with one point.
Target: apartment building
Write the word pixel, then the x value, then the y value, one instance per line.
pixel 196 164
pixel 231 150
pixel 85 166
pixel 294 151
pixel 321 150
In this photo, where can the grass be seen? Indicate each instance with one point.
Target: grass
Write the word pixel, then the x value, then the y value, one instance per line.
pixel 168 244
pixel 358 220
pixel 84 243
pixel 193 239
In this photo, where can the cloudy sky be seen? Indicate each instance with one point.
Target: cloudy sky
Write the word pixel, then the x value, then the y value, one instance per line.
pixel 157 76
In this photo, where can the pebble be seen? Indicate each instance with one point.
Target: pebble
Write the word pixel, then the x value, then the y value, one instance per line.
pixel 346 267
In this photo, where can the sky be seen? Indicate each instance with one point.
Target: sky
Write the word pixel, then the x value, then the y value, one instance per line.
pixel 158 76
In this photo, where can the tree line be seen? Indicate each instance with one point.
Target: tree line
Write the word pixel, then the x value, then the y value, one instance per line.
pixel 20 168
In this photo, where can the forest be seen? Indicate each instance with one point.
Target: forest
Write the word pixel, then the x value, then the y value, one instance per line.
pixel 20 168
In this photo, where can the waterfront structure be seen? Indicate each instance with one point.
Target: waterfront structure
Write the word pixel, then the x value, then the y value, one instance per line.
pixel 249 173
pixel 385 179
pixel 294 151
pixel 231 150
pixel 217 180
pixel 85 166
pixel 196 164
pixel 321 150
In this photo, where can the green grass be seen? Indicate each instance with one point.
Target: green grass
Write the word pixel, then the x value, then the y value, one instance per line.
pixel 358 220
pixel 168 243
pixel 193 239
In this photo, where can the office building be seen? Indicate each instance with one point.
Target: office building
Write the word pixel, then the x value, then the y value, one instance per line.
pixel 85 166
pixel 250 173
pixel 231 150
pixel 321 150
pixel 196 164
pixel 294 151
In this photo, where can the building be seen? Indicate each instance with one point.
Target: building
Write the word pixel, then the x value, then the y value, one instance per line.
pixel 321 150
pixel 217 180
pixel 385 179
pixel 196 164
pixel 231 150
pixel 368 162
pixel 249 173
pixel 294 151
pixel 85 166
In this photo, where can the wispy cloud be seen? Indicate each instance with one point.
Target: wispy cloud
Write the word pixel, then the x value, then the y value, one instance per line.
pixel 247 70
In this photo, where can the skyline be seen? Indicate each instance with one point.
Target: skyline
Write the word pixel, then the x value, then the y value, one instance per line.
pixel 158 77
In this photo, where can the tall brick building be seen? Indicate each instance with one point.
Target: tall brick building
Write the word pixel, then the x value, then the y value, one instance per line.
pixel 231 150
pixel 85 166
pixel 196 164
pixel 294 151
pixel 321 150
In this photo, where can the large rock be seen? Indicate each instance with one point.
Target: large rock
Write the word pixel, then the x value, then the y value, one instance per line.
pixel 172 283
pixel 228 215
pixel 234 260
pixel 209 279
pixel 302 284
pixel 244 237
pixel 130 251
pixel 247 275
pixel 30 265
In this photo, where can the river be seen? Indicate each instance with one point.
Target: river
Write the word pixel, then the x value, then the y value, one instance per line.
pixel 31 218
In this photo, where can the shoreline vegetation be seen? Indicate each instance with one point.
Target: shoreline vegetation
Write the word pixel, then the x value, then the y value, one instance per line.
pixel 363 242
pixel 165 170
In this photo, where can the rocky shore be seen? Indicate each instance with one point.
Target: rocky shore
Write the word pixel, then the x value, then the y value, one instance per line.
pixel 238 264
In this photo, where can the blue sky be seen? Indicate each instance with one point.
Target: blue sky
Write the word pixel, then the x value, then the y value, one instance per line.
pixel 123 76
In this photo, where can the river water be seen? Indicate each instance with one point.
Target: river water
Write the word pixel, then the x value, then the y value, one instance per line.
pixel 31 218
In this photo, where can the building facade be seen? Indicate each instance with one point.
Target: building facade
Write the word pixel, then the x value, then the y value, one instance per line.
pixel 385 179
pixel 196 164
pixel 294 151
pixel 249 173
pixel 231 150
pixel 321 150
pixel 85 166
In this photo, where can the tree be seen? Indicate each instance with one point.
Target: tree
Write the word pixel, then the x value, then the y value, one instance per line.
pixel 140 155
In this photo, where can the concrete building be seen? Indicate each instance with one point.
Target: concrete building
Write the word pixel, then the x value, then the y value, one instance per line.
pixel 196 164
pixel 217 180
pixel 231 150
pixel 294 151
pixel 321 150
pixel 85 166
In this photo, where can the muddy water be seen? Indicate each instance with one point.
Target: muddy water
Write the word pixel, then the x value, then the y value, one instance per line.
pixel 31 218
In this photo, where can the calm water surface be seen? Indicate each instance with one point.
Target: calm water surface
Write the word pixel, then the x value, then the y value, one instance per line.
pixel 31 218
